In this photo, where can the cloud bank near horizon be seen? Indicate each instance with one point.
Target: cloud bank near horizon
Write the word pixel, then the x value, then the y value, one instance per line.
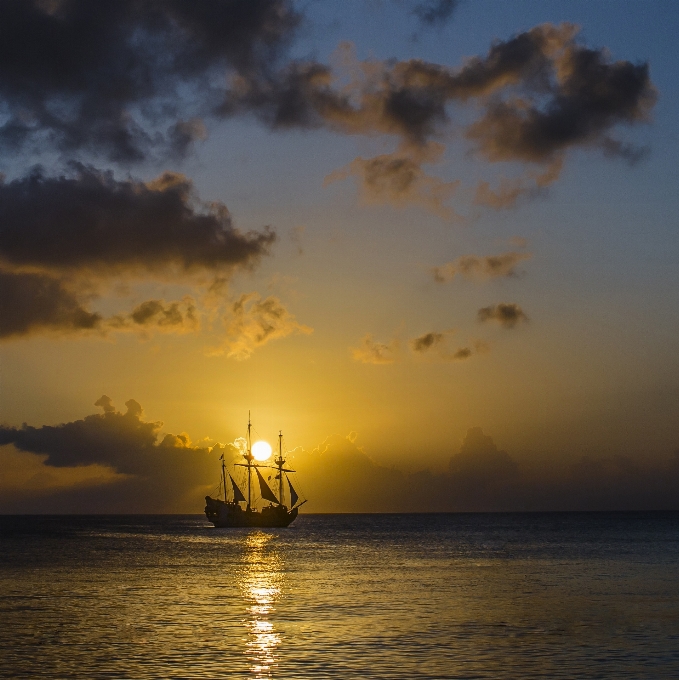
pixel 117 461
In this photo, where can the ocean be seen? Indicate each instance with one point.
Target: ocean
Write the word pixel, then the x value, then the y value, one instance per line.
pixel 558 595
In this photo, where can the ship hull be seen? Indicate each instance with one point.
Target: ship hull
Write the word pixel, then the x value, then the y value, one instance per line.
pixel 231 515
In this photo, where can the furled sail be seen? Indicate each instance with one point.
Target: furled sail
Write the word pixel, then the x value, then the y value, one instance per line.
pixel 237 493
pixel 293 494
pixel 267 493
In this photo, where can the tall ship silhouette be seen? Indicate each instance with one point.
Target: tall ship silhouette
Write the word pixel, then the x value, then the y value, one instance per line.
pixel 226 509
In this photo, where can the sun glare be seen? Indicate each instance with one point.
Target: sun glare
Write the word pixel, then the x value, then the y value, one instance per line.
pixel 261 450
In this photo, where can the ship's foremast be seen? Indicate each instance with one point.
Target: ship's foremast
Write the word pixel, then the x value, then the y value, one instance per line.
pixel 248 458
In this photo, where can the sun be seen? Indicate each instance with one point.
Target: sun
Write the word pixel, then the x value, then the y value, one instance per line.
pixel 261 450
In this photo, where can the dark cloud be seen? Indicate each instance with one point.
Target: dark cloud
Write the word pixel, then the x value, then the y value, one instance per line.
pixel 32 303
pixel 160 472
pixel 479 462
pixel 174 317
pixel 570 95
pixel 436 344
pixel 507 314
pixel 426 341
pixel 184 134
pixel 584 97
pixel 432 12
pixel 477 267
pixel 461 354
pixel 87 220
pixel 35 303
pixel 102 75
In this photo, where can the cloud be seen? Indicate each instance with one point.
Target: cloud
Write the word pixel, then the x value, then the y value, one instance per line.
pixel 253 321
pixel 87 220
pixel 426 341
pixel 398 179
pixel 479 461
pixel 32 303
pixel 436 343
pixel 480 268
pixel 117 461
pixel 586 96
pixel 296 236
pixel 357 483
pixel 140 470
pixel 371 352
pixel 101 76
pixel 25 475
pixel 531 98
pixel 510 190
pixel 549 93
pixel 432 12
pixel 507 314
pixel 173 317
pixel 183 135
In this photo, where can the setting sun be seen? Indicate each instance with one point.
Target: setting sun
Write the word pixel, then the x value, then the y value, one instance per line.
pixel 261 450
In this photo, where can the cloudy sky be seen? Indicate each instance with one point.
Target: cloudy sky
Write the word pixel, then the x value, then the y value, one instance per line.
pixel 433 241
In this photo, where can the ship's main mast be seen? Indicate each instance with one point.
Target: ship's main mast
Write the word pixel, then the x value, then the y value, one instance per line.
pixel 280 462
pixel 248 457
pixel 224 477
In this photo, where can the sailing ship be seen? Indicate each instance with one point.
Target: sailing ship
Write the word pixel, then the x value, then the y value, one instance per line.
pixel 229 512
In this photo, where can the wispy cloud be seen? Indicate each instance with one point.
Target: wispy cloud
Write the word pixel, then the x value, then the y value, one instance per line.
pixel 370 351
pixel 480 267
pixel 253 322
pixel 398 179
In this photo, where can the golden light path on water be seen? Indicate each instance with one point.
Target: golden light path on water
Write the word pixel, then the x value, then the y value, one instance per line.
pixel 260 584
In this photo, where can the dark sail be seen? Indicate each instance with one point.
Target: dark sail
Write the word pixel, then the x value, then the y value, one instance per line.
pixel 293 494
pixel 267 493
pixel 237 493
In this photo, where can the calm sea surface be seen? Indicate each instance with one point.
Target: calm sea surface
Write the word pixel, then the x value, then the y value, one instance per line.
pixel 341 596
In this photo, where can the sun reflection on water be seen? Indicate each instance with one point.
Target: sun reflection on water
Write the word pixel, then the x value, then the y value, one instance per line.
pixel 260 584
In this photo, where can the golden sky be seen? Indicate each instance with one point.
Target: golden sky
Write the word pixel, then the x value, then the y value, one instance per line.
pixel 433 242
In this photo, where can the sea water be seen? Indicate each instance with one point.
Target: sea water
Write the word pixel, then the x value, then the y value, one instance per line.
pixel 341 596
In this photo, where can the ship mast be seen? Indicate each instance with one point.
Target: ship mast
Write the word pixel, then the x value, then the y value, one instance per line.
pixel 280 462
pixel 249 459
pixel 224 478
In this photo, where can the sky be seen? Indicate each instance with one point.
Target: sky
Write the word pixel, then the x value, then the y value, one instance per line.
pixel 432 241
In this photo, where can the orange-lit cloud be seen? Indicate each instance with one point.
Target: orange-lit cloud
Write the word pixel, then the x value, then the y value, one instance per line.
pixel 372 352
pixel 253 321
